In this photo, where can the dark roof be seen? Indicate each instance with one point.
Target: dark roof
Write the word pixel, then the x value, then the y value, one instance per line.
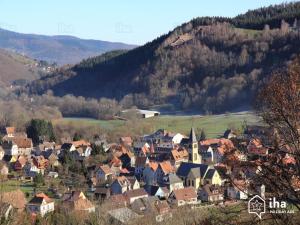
pixel 185 168
pixel 66 146
pixel 193 138
pixel 102 190
pixel 151 190
pixel 210 173
pixel 7 158
pixel 36 200
pixel 185 141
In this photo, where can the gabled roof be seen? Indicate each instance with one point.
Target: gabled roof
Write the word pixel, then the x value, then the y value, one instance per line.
pixel 135 193
pixel 151 190
pixel 173 179
pixel 22 160
pixel 210 173
pixel 179 154
pixel 10 130
pixel 186 167
pixel 39 198
pixel 106 169
pixel 123 181
pixel 212 189
pixel 185 193
pixel 22 142
pixel 153 165
pixel 166 167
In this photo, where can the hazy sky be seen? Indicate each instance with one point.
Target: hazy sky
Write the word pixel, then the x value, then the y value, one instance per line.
pixel 130 21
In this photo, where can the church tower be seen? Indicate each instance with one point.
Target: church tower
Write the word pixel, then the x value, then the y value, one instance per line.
pixel 194 155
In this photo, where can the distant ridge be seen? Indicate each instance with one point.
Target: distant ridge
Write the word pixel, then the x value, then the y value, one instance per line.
pixel 62 49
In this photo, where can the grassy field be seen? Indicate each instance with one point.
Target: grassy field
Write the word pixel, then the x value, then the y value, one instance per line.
pixel 213 125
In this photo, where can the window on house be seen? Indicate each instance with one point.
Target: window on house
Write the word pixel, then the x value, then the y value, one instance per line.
pixel 195 156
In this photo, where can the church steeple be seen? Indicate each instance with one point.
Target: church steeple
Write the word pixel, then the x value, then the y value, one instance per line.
pixel 194 156
pixel 193 138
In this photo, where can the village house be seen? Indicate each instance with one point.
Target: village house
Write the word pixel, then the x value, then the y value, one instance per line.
pixel 207 154
pixel 174 182
pixel 211 193
pixel 255 147
pixel 179 156
pixel 45 146
pixel 133 195
pixel 117 201
pixel 103 173
pixel 212 177
pixel 120 185
pixel 128 160
pixel 134 183
pixel 184 196
pixel 140 165
pixel 10 131
pixel 18 146
pixel 40 162
pixel 165 136
pixel 40 204
pixel 53 161
pixel 141 149
pixel 102 193
pixel 31 170
pixel 20 163
pixel 152 206
pixel 213 150
pixel 160 192
pixel 238 190
pixel 149 174
pixel 77 201
pixel 116 166
pixel 162 172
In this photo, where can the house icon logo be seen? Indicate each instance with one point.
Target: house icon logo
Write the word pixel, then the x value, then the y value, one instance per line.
pixel 257 205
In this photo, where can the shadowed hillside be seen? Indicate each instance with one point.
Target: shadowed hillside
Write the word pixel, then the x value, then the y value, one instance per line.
pixel 208 64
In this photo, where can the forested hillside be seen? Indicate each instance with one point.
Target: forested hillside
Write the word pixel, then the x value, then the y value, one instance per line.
pixel 208 64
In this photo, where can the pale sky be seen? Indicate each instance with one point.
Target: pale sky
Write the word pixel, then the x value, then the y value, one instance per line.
pixel 129 21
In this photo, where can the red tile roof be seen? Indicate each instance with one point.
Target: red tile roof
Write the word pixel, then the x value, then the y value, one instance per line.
pixel 185 193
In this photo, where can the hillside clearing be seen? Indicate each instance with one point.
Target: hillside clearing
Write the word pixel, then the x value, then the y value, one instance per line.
pixel 213 125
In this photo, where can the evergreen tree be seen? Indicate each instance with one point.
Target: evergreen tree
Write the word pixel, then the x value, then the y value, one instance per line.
pixel 40 130
pixel 38 180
